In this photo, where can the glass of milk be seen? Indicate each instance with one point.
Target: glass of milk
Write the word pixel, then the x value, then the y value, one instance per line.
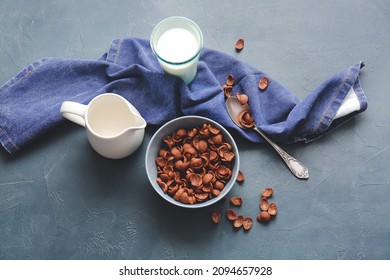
pixel 177 43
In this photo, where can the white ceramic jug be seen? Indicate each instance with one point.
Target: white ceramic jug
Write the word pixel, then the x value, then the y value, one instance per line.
pixel 115 129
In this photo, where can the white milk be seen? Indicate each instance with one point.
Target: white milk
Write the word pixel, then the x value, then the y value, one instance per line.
pixel 175 46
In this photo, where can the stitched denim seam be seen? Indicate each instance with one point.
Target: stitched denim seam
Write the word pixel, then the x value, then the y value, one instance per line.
pixel 29 71
pixel 111 54
pixel 12 82
pixel 118 51
pixel 326 120
pixel 8 138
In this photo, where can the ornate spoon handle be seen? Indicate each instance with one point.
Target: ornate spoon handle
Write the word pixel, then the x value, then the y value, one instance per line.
pixel 297 168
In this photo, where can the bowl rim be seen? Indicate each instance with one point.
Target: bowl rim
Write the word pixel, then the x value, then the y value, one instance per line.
pixel 228 186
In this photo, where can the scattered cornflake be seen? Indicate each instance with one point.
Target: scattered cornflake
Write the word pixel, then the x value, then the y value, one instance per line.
pixel 240 44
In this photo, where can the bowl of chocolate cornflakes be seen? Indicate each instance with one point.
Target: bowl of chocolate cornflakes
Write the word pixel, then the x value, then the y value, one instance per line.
pixel 192 161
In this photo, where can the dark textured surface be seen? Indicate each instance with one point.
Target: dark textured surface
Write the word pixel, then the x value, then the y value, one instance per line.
pixel 60 200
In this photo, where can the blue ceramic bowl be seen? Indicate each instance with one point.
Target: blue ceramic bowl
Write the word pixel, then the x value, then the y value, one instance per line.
pixel 169 128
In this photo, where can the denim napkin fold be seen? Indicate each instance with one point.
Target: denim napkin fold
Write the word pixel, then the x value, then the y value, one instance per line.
pixel 30 102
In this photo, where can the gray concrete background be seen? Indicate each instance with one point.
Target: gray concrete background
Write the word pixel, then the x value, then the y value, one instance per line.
pixel 60 200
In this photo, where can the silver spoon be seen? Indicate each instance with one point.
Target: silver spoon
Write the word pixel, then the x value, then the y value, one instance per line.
pixel 234 108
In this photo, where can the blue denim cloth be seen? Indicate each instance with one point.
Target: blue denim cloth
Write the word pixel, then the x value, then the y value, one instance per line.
pixel 30 102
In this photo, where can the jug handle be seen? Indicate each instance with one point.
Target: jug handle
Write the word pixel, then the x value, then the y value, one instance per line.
pixel 74 112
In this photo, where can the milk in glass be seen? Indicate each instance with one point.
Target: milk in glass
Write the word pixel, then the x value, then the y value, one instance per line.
pixel 177 43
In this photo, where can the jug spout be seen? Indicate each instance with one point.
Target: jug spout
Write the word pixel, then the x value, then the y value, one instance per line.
pixel 138 122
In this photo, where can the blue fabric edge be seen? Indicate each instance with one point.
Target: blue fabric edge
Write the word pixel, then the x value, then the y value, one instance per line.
pixel 5 140
pixel 328 122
